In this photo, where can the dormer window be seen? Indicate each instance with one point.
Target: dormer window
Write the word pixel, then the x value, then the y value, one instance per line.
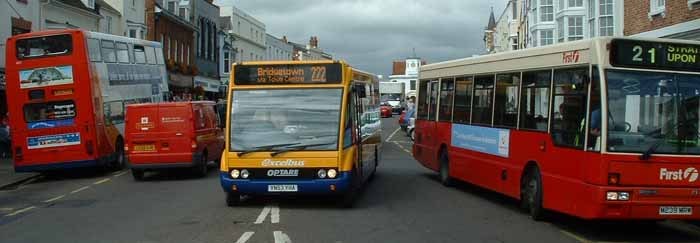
pixel 657 7
pixel 90 4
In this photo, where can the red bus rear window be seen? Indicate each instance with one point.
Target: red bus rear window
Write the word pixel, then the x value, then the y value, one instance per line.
pixel 59 110
pixel 44 46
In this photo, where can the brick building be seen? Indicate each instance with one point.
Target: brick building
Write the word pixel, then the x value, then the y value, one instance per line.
pixel 177 36
pixel 678 19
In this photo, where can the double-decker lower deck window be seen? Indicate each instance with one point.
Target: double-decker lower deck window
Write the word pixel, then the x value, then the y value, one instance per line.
pixel 48 111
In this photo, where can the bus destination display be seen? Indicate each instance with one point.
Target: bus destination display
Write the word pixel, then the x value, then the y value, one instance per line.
pixel 288 74
pixel 656 55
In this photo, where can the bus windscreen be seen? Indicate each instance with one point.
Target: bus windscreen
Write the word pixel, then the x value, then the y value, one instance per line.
pixel 331 73
pixel 655 55
pixel 44 46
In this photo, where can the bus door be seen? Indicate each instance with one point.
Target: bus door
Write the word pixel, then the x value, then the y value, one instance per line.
pixel 357 119
pixel 427 131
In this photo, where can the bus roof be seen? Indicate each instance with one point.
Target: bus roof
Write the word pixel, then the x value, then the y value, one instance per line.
pixel 530 58
pixel 88 34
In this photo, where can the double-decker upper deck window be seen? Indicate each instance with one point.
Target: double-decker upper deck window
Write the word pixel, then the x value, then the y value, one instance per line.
pixel 139 54
pixel 44 46
pixel 108 51
pixel 122 52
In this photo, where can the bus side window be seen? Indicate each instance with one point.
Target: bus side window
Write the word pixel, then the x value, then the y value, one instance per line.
pixel 159 56
pixel 432 106
pixel 122 52
pixel 569 107
pixel 348 138
pixel 506 105
pixel 422 104
pixel 463 100
pixel 534 101
pixel 483 100
pixel 595 116
pixel 94 50
pixel 108 52
pixel 150 55
pixel 446 98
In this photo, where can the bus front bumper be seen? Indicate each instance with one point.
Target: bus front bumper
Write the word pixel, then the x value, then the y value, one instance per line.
pixel 309 187
pixel 645 203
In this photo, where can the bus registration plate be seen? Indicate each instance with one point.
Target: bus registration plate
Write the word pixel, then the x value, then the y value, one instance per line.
pixel 282 188
pixel 674 210
pixel 144 147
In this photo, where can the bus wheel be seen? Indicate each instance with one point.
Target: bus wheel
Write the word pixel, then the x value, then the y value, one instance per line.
pixel 233 199
pixel 200 169
pixel 532 193
pixel 137 174
pixel 445 178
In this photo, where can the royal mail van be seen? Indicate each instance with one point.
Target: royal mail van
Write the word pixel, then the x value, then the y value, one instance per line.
pixel 172 135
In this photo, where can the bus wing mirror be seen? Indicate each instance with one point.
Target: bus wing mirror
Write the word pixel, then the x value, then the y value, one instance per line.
pixel 360 90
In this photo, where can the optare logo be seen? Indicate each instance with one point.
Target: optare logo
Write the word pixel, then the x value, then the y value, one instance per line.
pixel 283 173
pixel 689 174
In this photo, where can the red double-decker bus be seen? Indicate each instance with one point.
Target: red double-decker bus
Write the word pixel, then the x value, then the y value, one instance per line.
pixel 605 128
pixel 66 92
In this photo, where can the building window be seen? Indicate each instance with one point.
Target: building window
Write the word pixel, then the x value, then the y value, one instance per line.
pixel 575 3
pixel 657 7
pixel 109 24
pixel 561 35
pixel 91 4
pixel 172 6
pixel 227 61
pixel 175 56
pixel 575 28
pixel 591 18
pixel 546 11
pixel 546 37
pixel 412 85
pixel 607 27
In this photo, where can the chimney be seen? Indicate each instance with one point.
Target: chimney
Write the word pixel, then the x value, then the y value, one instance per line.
pixel 313 43
pixel 284 38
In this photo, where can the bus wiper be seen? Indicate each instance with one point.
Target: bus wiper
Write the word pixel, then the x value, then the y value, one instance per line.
pixel 647 154
pixel 264 148
pixel 299 148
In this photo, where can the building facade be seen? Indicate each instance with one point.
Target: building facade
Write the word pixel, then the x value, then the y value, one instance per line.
pixel 207 77
pixel 678 19
pixel 249 35
pixel 278 49
pixel 70 14
pixel 406 71
pixel 546 22
pixel 177 36
pixel 310 51
pixel 505 36
pixel 227 54
pixel 133 18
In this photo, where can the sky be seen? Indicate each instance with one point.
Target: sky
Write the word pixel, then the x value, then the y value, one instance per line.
pixel 371 34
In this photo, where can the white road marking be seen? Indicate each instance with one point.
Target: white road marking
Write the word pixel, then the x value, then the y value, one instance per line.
pixel 275 217
pixel 6 209
pixel 20 211
pixel 574 236
pixel 120 174
pixel 80 189
pixel 281 237
pixel 54 199
pixel 263 215
pixel 245 237
pixel 101 181
pixel 392 134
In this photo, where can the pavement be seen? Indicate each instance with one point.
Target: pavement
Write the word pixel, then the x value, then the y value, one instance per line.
pixel 9 178
pixel 403 203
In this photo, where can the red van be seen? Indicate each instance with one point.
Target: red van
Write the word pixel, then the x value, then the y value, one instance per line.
pixel 172 135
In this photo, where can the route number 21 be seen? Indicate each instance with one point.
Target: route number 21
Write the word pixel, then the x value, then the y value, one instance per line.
pixel 638 51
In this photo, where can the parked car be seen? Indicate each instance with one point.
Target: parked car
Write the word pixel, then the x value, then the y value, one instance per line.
pixel 172 135
pixel 385 109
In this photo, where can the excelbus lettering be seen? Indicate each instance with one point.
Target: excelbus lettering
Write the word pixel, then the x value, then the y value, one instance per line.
pixel 289 162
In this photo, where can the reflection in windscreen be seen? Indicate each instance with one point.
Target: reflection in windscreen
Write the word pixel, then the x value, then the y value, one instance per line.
pixel 652 109
pixel 261 118
pixel 44 46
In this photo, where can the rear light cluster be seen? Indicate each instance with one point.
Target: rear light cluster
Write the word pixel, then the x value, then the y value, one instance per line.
pixel 617 196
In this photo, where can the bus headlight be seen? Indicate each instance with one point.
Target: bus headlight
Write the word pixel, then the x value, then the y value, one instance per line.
pixel 235 174
pixel 322 173
pixel 332 173
pixel 617 196
pixel 245 174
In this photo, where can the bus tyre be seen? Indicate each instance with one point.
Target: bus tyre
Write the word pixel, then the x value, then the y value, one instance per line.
pixel 200 170
pixel 137 174
pixel 445 178
pixel 120 160
pixel 412 134
pixel 532 194
pixel 233 199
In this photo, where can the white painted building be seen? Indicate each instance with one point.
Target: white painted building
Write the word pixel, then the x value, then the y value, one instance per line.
pixel 557 21
pixel 133 18
pixel 249 35
pixel 278 49
pixel 16 17
pixel 506 32
pixel 408 74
